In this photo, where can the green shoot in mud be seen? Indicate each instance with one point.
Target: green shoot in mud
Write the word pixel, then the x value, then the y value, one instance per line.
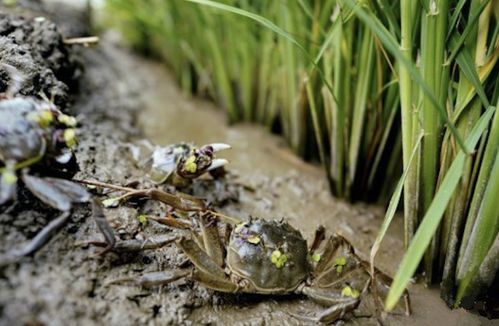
pixel 362 86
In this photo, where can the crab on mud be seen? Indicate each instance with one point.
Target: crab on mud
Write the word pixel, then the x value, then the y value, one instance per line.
pixel 271 257
pixel 178 164
pixel 34 134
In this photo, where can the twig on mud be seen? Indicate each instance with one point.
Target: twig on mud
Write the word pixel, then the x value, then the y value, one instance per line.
pixel 105 185
pixel 85 41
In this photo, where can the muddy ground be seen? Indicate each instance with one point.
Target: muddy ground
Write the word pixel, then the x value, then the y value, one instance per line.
pixel 120 97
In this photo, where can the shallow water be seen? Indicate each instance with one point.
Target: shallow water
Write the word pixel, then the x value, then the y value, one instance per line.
pixel 285 187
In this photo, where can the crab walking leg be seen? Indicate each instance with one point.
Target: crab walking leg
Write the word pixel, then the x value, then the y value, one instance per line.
pixel 222 284
pixel 47 193
pixel 134 245
pixel 44 235
pixel 152 279
pixel 180 201
pixel 199 258
pixel 339 305
pixel 381 286
pixel 336 247
pixel 172 222
pixel 211 238
pixel 103 225
pixel 319 237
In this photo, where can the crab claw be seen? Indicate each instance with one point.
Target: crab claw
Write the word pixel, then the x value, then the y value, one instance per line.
pixel 217 163
pixel 211 149
pixel 217 147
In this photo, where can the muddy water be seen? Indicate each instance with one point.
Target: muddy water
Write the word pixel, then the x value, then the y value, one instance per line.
pixel 285 187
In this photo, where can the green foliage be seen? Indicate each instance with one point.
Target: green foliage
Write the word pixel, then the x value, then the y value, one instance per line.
pixel 292 66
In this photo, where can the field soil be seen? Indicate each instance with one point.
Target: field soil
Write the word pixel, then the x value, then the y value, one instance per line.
pixel 120 98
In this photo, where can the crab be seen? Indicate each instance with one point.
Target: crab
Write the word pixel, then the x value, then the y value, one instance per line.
pixel 34 134
pixel 179 164
pixel 272 258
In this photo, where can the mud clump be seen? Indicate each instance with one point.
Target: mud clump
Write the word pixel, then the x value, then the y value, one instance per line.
pixel 35 47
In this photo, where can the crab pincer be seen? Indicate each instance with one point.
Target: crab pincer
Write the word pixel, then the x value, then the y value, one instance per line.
pixel 178 164
pixel 202 160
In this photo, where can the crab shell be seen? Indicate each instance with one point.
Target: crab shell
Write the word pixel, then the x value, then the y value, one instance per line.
pixel 20 138
pixel 250 256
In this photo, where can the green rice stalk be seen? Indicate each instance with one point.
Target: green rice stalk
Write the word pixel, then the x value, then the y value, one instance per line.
pixel 483 234
pixel 433 216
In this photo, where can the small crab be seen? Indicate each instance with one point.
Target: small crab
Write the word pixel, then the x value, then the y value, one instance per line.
pixel 35 134
pixel 178 164
pixel 272 257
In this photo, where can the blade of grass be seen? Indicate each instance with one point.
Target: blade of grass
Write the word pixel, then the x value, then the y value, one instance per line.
pixel 392 207
pixel 483 234
pixel 432 218
pixel 391 45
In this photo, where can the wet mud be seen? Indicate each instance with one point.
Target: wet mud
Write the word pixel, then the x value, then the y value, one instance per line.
pixel 35 48
pixel 122 98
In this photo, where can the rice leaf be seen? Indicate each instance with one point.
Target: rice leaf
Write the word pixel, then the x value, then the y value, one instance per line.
pixel 432 218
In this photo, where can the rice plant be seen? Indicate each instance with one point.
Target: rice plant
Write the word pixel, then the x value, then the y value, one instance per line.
pixel 305 69
pixel 361 85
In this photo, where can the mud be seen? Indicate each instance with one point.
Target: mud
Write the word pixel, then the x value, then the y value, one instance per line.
pixel 35 48
pixel 123 98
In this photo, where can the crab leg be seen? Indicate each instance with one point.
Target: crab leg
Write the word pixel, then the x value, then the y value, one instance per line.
pixel 172 222
pixel 339 307
pixel 152 279
pixel 180 201
pixel 134 245
pixel 199 258
pixel 381 286
pixel 213 282
pixel 47 193
pixel 335 247
pixel 44 235
pixel 319 237
pixel 211 238
pixel 103 225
